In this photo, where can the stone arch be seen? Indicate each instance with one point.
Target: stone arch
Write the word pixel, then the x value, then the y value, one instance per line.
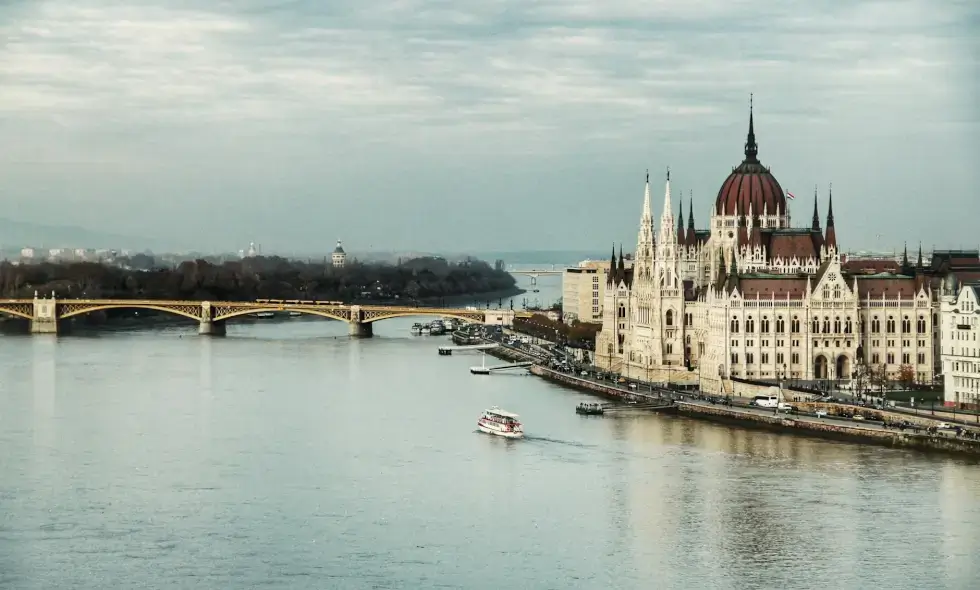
pixel 843 367
pixel 820 367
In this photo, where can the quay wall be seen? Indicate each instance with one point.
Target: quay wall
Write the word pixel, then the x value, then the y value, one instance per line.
pixel 830 430
pixel 607 391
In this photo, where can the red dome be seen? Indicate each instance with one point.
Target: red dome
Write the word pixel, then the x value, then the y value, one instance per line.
pixel 751 184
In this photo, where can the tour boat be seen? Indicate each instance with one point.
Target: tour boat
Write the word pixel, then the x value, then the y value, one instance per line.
pixel 416 328
pixel 590 409
pixel 500 423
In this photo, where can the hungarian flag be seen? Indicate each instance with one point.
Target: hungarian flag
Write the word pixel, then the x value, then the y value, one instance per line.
pixel 790 195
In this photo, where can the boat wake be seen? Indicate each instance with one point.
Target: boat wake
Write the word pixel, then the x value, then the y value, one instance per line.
pixel 558 441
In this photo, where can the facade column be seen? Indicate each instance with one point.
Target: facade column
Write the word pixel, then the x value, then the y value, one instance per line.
pixel 356 327
pixel 45 315
pixel 208 326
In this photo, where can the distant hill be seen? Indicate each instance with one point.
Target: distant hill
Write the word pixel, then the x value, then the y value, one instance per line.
pixel 19 234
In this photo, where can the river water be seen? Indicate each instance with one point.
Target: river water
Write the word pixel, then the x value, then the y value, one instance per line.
pixel 287 455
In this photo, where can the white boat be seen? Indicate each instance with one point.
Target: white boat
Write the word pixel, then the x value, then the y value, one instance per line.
pixel 500 423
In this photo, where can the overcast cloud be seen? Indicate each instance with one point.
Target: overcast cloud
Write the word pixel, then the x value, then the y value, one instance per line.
pixel 470 125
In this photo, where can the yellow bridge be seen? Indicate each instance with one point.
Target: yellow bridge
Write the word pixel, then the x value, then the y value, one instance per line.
pixel 45 314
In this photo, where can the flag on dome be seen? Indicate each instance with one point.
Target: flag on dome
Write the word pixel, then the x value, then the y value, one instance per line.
pixel 790 195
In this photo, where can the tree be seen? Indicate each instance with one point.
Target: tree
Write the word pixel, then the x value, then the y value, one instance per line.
pixel 906 376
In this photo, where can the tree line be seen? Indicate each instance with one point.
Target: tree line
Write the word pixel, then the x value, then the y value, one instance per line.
pixel 255 278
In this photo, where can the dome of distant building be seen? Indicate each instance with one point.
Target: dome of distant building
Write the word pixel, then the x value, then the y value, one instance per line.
pixel 339 257
pixel 751 188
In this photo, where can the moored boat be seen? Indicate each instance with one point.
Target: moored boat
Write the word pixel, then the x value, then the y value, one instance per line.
pixel 500 423
pixel 589 409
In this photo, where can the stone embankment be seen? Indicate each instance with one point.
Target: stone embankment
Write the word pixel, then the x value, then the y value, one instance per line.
pixel 609 390
pixel 829 429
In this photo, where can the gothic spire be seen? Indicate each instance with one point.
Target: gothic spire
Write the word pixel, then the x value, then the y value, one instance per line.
pixel 612 266
pixel 622 265
pixel 815 226
pixel 905 256
pixel 830 239
pixel 920 256
pixel 751 148
pixel 691 239
pixel 680 223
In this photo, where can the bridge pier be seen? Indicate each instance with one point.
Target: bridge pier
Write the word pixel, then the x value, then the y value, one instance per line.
pixel 45 316
pixel 211 328
pixel 361 329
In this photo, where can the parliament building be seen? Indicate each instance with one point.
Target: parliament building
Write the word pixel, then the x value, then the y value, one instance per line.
pixel 751 296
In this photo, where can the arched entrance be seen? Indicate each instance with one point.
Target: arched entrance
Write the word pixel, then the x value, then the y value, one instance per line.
pixel 843 367
pixel 820 367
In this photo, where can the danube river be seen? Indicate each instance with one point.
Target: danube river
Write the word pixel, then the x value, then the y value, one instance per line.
pixel 288 456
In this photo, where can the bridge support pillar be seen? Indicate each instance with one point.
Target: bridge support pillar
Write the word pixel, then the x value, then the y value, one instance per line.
pixel 361 329
pixel 211 328
pixel 45 316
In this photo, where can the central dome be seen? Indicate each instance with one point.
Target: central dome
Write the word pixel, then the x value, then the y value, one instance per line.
pixel 751 186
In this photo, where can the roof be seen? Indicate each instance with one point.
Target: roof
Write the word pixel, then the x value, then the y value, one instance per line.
pixel 870 266
pixel 751 184
pixel 887 285
pixel 339 249
pixel 788 243
pixel 498 412
pixel 767 287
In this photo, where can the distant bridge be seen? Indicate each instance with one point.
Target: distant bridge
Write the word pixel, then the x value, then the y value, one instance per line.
pixel 556 269
pixel 45 313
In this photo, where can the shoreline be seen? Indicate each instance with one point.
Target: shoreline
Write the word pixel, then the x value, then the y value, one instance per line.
pixel 832 429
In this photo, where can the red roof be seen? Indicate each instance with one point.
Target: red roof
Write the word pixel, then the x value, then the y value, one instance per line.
pixel 889 286
pixel 766 288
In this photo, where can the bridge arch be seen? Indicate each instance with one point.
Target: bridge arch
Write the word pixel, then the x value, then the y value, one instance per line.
pixel 181 311
pixel 220 317
pixel 15 312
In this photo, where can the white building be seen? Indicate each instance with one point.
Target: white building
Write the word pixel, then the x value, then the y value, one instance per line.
pixel 584 290
pixel 338 257
pixel 752 297
pixel 960 324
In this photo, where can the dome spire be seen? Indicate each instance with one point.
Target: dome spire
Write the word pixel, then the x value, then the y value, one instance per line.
pixel 751 148
pixel 815 226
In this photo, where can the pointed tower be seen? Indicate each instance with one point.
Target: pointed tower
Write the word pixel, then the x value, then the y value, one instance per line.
pixel 691 238
pixel 815 225
pixel 751 147
pixel 621 269
pixel 645 241
pixel 667 254
pixel 919 263
pixel 905 258
pixel 830 238
pixel 680 223
pixel 611 275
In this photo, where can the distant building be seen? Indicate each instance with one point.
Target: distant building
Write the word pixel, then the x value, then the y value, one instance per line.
pixel 960 348
pixel 252 251
pixel 339 257
pixel 27 253
pixel 583 290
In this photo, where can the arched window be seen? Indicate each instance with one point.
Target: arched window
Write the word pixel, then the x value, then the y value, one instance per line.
pixel 780 325
pixel 765 324
pixel 826 325
pixel 669 317
pixel 837 325
pixel 816 325
pixel 875 325
pixel 906 325
pixel 622 311
pixel 749 325
pixel 826 292
pixel 796 325
pixel 734 325
pixel 863 326
pixel 848 326
pixel 890 325
pixel 836 291
pixel 921 325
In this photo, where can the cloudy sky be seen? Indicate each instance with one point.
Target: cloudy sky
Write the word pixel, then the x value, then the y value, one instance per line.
pixel 481 124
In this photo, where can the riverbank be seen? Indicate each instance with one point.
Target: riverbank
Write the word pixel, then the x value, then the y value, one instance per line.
pixel 752 418
pixel 828 428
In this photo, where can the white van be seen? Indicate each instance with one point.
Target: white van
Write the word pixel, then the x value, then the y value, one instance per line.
pixel 765 401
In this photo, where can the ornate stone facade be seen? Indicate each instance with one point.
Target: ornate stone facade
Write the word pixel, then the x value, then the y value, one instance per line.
pixel 753 297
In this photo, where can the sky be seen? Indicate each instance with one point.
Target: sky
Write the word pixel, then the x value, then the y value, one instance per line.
pixel 455 125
